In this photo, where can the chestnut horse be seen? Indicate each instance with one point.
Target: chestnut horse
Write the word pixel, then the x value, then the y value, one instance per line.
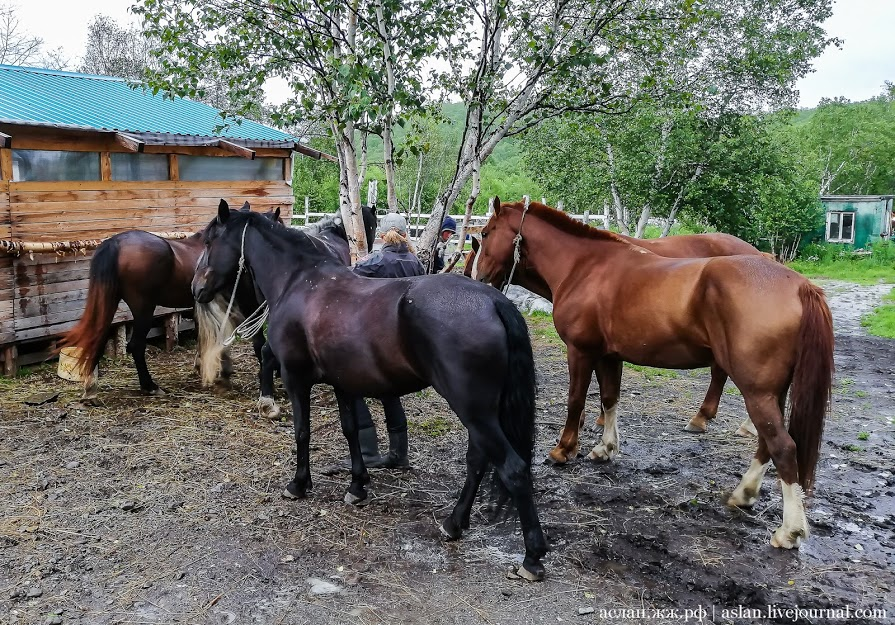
pixel 768 327
pixel 679 246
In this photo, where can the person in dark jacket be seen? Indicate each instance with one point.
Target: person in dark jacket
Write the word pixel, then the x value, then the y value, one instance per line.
pixel 448 229
pixel 396 259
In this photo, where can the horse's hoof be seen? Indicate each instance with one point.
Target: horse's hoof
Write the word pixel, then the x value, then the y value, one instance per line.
pixel 292 491
pixel 601 454
pixel 747 429
pixel 557 456
pixel 157 391
pixel 354 500
pixel 449 530
pixel 695 429
pixel 268 408
pixel 535 574
pixel 783 539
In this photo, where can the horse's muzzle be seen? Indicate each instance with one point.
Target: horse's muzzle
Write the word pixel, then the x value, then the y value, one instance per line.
pixel 201 292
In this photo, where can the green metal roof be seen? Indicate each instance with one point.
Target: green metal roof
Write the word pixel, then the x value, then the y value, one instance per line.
pixel 65 99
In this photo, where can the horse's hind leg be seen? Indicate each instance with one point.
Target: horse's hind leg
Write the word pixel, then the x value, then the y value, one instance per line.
pixel 746 493
pixel 137 347
pixel 458 520
pixel 767 415
pixel 359 476
pixel 267 405
pixel 609 374
pixel 516 478
pixel 709 408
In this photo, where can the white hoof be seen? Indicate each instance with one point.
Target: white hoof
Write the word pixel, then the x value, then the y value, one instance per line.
pixel 354 500
pixel 691 427
pixel 288 495
pixel 268 408
pixel 787 539
pixel 747 428
pixel 602 453
pixel 741 499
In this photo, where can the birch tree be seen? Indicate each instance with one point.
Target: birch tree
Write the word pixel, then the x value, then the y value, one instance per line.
pixel 352 66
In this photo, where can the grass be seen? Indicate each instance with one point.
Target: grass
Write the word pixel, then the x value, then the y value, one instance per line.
pixel 433 427
pixel 881 322
pixel 863 436
pixel 651 372
pixel 841 262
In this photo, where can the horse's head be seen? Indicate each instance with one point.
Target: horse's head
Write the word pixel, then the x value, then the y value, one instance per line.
pixel 219 263
pixel 494 256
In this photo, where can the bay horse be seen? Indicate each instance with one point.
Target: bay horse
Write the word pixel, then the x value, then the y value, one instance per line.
pixel 145 271
pixel 677 246
pixel 373 338
pixel 765 325
pixel 215 325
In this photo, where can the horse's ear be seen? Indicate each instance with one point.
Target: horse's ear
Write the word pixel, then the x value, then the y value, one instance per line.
pixel 245 208
pixel 223 212
pixel 276 213
pixel 475 245
pixel 495 205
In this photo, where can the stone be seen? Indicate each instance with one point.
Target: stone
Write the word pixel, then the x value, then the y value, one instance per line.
pixel 34 592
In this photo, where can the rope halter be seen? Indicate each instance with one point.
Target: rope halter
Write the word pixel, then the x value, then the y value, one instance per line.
pixel 517 247
pixel 252 324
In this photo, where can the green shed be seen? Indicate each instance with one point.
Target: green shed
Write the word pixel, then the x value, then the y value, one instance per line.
pixel 857 219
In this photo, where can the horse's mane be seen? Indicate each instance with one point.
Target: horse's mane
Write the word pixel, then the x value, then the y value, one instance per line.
pixel 562 221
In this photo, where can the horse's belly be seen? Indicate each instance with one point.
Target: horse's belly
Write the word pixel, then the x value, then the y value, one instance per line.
pixel 667 355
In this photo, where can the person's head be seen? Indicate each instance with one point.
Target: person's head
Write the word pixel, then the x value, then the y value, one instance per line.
pixel 448 228
pixel 393 237
pixel 393 221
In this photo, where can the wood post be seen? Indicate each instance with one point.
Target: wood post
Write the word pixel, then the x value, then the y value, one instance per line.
pixel 105 166
pixel 6 164
pixel 116 347
pixel 172 325
pixel 10 360
pixel 173 168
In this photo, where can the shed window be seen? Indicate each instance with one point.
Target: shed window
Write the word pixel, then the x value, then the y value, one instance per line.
pixel 229 168
pixel 49 165
pixel 127 166
pixel 840 227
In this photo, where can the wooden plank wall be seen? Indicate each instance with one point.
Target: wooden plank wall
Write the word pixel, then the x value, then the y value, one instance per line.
pixel 46 295
pixel 6 271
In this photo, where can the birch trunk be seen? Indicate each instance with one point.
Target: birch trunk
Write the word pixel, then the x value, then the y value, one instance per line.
pixel 470 202
pixel 672 215
pixel 387 144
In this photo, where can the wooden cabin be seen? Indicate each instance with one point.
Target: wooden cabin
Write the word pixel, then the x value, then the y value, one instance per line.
pixel 84 157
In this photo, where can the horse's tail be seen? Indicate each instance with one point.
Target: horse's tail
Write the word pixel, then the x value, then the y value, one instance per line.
pixel 517 398
pixel 212 328
pixel 103 295
pixel 812 381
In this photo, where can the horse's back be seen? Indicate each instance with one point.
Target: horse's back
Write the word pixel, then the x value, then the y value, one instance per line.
pixel 699 245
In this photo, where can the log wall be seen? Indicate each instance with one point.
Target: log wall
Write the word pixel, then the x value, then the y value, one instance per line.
pixel 44 296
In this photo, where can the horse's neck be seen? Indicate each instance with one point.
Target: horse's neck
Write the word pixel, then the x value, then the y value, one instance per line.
pixel 274 272
pixel 545 244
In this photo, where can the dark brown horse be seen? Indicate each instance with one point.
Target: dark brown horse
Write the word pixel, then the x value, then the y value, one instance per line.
pixel 679 246
pixel 768 327
pixel 145 271
pixel 369 337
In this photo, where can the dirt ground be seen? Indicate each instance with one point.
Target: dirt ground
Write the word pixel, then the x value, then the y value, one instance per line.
pixel 168 509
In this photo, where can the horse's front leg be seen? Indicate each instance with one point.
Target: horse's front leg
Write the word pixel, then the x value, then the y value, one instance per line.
pixel 299 391
pixel 709 407
pixel 359 476
pixel 267 405
pixel 580 371
pixel 609 375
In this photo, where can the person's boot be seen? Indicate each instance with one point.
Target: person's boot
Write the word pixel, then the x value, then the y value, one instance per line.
pixel 397 453
pixel 369 449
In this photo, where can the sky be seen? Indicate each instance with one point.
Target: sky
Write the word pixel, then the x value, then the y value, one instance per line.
pixel 857 71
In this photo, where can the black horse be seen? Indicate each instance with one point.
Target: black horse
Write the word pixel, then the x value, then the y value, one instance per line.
pixel 374 338
pixel 214 324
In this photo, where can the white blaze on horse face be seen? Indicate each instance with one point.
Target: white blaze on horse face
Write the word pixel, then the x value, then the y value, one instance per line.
pixel 607 449
pixel 795 525
pixel 747 492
